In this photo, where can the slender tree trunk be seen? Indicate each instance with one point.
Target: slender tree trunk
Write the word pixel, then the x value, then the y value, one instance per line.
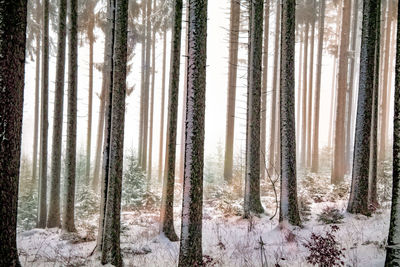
pixel 142 83
pixel 42 189
pixel 315 147
pixel 392 249
pixel 190 252
pixel 303 148
pixel 90 100
pixel 358 202
pixel 288 211
pixel 232 77
pixel 160 154
pixel 299 91
pixel 333 98
pixel 252 202
pixel 310 87
pixel 271 159
pixel 12 69
pixel 338 170
pixel 68 223
pixel 351 85
pixel 264 92
pixel 167 203
pixel 111 251
pixel 53 219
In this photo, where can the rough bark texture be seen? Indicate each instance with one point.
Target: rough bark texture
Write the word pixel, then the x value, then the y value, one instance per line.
pixel 271 158
pixel 339 166
pixel 190 252
pixel 393 247
pixel 303 148
pixel 288 197
pixel 111 252
pixel 358 202
pixel 12 62
pixel 53 219
pixel 160 153
pixel 70 158
pixel 264 93
pixel 167 203
pixel 252 202
pixel 315 147
pixel 232 77
pixel 299 91
pixel 42 189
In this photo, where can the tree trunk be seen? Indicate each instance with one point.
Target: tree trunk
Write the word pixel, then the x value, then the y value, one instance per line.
pixel 68 223
pixel 358 202
pixel 232 77
pixel 264 93
pixel 190 252
pixel 12 68
pixel 111 251
pixel 271 158
pixel 42 189
pixel 298 118
pixel 315 147
pixel 288 211
pixel 167 203
pixel 303 148
pixel 160 153
pixel 252 202
pixel 338 170
pixel 142 82
pixel 53 219
pixel 349 127
pixel 333 98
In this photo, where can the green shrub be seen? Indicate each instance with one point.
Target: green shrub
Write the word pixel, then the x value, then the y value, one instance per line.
pixel 330 215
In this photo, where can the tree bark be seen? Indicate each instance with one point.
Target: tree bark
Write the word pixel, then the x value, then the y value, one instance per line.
pixel 68 223
pixel 142 87
pixel 53 219
pixel 358 202
pixel 13 16
pixel 299 91
pixel 42 189
pixel 167 203
pixel 190 252
pixel 303 148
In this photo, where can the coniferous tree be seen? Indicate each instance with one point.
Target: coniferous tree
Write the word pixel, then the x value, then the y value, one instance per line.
pixel 190 252
pixel 142 82
pixel 13 17
pixel 164 60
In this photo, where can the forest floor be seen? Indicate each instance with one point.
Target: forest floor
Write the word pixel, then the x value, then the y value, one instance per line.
pixel 228 239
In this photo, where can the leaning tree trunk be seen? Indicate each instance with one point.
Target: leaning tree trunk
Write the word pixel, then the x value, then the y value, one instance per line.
pixel 302 146
pixel 231 98
pixel 42 189
pixel 393 247
pixel 358 202
pixel 111 251
pixel 12 69
pixel 190 252
pixel 271 157
pixel 264 93
pixel 252 202
pixel 288 211
pixel 70 158
pixel 53 219
pixel 338 170
pixel 315 147
pixel 167 203
pixel 160 153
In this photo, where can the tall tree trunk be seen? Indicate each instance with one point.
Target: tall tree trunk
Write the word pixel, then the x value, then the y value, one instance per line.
pixel 42 189
pixel 68 223
pixel 358 202
pixel 53 219
pixel 315 147
pixel 392 249
pixel 12 69
pixel 271 158
pixel 338 170
pixel 232 77
pixel 310 87
pixel 350 101
pixel 299 91
pixel 160 153
pixel 288 211
pixel 153 72
pixel 303 148
pixel 333 101
pixel 190 252
pixel 142 87
pixel 252 202
pixel 111 251
pixel 167 203
pixel 385 88
pixel 264 92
